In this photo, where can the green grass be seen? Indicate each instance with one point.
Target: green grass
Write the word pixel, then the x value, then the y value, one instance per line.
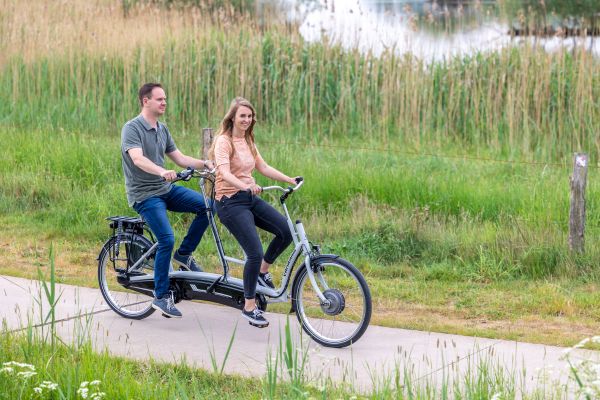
pixel 492 221
pixel 74 367
pixel 482 243
pixel 120 378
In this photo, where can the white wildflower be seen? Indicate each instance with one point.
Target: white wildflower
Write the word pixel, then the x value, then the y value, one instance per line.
pixel 83 392
pixel 7 370
pixel 27 366
pixel 49 385
pixel 90 390
pixel 20 365
pixel 38 390
pixel 26 374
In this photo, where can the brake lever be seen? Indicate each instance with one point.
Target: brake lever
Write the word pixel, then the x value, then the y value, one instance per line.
pixel 185 175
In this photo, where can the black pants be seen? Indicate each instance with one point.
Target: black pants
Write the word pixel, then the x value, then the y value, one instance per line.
pixel 240 213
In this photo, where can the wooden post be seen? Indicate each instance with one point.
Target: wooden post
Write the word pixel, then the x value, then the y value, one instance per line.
pixel 207 136
pixel 577 209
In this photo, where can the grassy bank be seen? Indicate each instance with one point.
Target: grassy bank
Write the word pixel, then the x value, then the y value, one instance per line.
pixel 451 245
pixel 33 366
pixel 381 207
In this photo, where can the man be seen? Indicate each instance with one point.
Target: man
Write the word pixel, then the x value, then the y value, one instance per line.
pixel 144 143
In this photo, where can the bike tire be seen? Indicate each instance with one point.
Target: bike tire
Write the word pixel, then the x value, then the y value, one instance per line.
pixel 125 302
pixel 347 317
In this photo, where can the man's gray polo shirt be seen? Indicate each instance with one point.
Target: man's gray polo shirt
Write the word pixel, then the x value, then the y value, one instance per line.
pixel 154 143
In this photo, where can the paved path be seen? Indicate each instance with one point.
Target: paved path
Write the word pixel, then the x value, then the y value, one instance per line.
pixel 205 327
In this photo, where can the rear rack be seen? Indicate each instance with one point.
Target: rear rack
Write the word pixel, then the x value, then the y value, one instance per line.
pixel 127 224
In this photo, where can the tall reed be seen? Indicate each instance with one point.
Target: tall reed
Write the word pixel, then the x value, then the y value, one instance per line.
pixel 517 102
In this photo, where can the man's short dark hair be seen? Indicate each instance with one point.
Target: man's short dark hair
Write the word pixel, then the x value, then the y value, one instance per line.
pixel 146 91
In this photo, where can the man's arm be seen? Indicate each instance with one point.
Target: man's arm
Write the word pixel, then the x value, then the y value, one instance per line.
pixel 146 165
pixel 186 161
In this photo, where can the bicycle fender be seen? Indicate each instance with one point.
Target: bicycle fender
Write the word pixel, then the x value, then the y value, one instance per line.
pixel 105 247
pixel 313 260
pixel 323 257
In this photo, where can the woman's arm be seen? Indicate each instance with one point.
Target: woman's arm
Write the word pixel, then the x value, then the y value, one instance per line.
pixel 270 172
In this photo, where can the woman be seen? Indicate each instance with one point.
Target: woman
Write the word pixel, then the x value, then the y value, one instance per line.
pixel 238 205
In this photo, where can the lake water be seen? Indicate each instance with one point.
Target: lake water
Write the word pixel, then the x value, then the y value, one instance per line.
pixel 436 30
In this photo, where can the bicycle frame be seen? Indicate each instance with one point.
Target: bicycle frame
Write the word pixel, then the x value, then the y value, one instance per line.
pixel 302 248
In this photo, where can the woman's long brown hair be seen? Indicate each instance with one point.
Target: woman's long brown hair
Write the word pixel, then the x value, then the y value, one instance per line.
pixel 226 127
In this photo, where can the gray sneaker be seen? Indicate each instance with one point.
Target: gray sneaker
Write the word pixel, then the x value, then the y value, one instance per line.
pixel 186 263
pixel 166 305
pixel 255 317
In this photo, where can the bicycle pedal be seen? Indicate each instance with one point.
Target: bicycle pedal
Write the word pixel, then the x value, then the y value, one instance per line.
pixel 258 326
pixel 166 316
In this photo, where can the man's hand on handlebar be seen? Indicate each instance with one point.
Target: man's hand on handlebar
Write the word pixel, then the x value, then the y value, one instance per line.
pixel 169 175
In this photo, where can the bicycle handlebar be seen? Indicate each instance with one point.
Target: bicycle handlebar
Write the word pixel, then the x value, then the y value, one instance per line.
pixel 286 192
pixel 299 182
pixel 190 172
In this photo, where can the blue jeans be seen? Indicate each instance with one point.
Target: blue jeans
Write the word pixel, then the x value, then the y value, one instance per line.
pixel 154 211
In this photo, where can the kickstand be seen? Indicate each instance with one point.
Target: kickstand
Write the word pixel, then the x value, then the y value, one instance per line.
pixel 211 288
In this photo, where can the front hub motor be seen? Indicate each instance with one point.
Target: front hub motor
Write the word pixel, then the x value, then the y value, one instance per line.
pixel 336 302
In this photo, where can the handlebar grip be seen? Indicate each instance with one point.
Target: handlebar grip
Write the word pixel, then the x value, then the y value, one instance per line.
pixel 184 175
pixel 299 179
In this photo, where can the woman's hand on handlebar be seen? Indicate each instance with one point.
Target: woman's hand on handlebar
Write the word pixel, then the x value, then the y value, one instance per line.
pixel 209 165
pixel 255 189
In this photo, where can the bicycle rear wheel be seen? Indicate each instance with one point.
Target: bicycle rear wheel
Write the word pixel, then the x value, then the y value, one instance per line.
pixel 114 270
pixel 344 319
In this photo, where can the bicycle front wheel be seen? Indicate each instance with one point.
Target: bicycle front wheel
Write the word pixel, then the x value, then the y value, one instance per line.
pixel 345 316
pixel 117 257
